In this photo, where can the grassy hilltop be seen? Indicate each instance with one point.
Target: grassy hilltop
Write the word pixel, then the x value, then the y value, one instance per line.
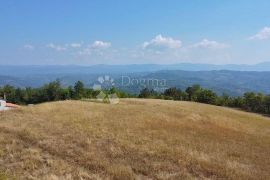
pixel 136 139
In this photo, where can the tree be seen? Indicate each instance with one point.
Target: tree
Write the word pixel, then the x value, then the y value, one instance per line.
pixel 237 102
pixel 19 96
pixel 259 103
pixel 192 92
pixel 224 100
pixel 79 90
pixel 175 94
pixel 147 93
pixel 206 96
pixel 8 92
pixel 71 92
pixel 172 93
pixel 267 104
pixel 52 91
pixel 249 101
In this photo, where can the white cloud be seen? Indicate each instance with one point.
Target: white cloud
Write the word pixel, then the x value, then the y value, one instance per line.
pixel 75 45
pixel 100 45
pixel 205 43
pixel 95 48
pixel 56 47
pixel 168 50
pixel 28 47
pixel 262 34
pixel 162 42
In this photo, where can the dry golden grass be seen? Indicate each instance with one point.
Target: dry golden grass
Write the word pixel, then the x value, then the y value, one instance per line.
pixel 136 139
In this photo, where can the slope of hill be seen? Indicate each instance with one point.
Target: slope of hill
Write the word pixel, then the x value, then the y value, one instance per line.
pixel 134 139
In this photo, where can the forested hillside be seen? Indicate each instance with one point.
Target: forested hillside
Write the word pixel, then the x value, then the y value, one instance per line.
pixel 234 83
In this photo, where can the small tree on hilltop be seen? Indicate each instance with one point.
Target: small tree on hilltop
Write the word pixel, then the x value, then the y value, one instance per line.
pixel 193 91
pixel 79 90
pixel 207 96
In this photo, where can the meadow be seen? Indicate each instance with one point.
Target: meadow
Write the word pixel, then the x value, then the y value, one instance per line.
pixel 135 139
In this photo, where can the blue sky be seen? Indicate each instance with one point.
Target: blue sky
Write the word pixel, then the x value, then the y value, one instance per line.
pixel 134 32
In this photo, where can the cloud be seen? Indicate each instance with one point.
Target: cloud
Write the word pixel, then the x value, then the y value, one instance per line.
pixel 205 43
pixel 100 45
pixel 162 42
pixel 56 47
pixel 96 47
pixel 75 45
pixel 262 34
pixel 169 50
pixel 28 47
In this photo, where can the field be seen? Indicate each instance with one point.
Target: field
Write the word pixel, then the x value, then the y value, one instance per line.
pixel 135 139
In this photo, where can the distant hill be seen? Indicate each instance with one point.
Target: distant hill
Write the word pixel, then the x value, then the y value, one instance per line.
pixel 132 68
pixel 135 139
pixel 234 81
pixel 13 81
pixel 230 82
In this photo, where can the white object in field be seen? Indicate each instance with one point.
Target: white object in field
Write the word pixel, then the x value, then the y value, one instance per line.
pixel 3 105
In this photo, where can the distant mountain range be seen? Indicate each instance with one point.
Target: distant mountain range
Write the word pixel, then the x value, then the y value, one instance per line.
pixel 132 68
pixel 221 81
pixel 230 79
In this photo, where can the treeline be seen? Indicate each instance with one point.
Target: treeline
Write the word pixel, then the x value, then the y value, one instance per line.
pixel 250 101
pixel 53 92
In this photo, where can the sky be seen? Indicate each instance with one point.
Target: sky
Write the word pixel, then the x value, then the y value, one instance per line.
pixel 83 32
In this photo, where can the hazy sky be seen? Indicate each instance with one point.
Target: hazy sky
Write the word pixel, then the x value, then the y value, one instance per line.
pixel 131 32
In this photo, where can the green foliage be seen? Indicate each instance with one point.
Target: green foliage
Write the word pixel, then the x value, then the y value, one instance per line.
pixel 250 101
pixel 254 102
pixel 193 92
pixel 206 96
pixel 52 92
pixel 79 90
pixel 175 94
pixel 147 93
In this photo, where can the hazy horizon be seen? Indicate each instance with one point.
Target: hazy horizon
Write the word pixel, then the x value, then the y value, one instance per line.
pixel 191 63
pixel 188 63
